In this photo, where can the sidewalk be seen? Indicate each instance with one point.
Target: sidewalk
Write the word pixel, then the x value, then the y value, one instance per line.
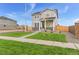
pixel 43 42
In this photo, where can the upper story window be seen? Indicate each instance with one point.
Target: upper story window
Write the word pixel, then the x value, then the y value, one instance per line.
pixel 36 16
pixel 47 15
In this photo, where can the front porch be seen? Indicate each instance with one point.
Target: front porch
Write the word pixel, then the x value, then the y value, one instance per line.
pixel 47 24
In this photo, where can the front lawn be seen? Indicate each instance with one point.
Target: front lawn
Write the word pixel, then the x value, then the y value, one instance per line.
pixel 15 34
pixel 49 36
pixel 8 47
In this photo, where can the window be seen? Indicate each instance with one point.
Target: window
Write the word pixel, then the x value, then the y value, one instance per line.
pixel 35 16
pixel 4 25
pixel 47 14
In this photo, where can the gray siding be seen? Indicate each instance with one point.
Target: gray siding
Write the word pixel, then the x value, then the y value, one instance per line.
pixel 7 24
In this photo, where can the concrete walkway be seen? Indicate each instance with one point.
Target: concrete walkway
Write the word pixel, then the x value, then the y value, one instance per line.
pixel 30 34
pixel 70 37
pixel 43 42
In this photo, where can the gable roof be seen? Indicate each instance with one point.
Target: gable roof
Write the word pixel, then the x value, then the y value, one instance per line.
pixel 6 18
pixel 36 13
pixel 48 9
pixel 45 10
pixel 40 12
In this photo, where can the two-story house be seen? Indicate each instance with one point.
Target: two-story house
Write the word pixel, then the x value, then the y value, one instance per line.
pixel 45 20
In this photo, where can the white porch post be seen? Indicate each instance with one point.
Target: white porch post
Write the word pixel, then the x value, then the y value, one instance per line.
pixel 54 25
pixel 45 24
pixel 39 25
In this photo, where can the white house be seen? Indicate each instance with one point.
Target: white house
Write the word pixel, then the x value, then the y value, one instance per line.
pixel 45 20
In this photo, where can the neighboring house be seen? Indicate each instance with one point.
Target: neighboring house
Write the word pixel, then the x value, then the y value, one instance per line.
pixel 7 23
pixel 45 20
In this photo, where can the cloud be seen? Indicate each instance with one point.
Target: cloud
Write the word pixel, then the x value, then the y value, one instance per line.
pixel 24 14
pixel 32 6
pixel 66 9
pixel 76 20
pixel 13 14
pixel 29 12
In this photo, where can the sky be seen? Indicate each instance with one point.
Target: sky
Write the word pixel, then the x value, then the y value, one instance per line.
pixel 22 12
pixel 14 11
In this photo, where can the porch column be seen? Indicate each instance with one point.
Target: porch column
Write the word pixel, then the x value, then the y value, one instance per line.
pixel 45 24
pixel 39 25
pixel 53 26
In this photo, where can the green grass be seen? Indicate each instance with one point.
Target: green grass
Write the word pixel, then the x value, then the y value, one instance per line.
pixel 8 47
pixel 49 36
pixel 15 34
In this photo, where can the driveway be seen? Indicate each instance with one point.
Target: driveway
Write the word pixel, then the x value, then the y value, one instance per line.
pixel 70 37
